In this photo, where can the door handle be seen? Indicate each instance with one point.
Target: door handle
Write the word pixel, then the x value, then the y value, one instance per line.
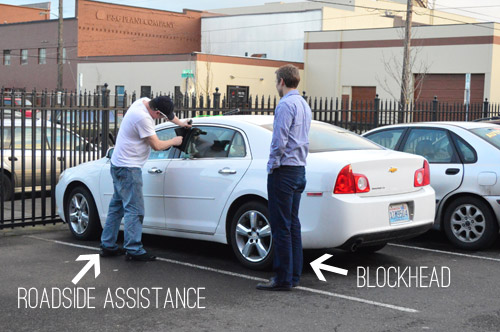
pixel 12 158
pixel 227 170
pixel 154 170
pixel 452 171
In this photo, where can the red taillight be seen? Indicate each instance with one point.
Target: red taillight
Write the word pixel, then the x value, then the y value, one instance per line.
pixel 351 183
pixel 422 176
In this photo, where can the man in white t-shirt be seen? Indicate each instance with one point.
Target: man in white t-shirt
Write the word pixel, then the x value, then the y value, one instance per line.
pixel 135 139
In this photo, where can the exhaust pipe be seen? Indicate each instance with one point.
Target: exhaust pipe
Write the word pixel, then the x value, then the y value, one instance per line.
pixel 356 244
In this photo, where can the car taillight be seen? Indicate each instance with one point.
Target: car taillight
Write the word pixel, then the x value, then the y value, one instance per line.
pixel 351 183
pixel 422 176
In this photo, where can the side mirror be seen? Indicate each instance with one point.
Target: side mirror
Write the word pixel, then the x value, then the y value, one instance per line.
pixel 109 153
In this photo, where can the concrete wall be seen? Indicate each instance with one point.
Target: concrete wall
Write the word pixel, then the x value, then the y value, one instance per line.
pixel 164 72
pixel 279 35
pixel 337 60
pixel 32 36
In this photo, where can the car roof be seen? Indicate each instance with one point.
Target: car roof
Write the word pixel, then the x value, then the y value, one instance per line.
pixel 233 120
pixel 443 124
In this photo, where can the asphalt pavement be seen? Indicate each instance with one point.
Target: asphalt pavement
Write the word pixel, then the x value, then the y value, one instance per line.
pixel 419 285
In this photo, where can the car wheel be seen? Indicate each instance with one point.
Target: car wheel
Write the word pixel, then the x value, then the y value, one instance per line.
pixel 81 214
pixel 6 189
pixel 250 236
pixel 371 249
pixel 469 224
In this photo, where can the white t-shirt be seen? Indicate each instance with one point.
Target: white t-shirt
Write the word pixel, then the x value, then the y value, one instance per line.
pixel 132 148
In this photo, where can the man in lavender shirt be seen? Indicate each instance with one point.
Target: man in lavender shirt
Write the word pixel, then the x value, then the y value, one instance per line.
pixel 286 179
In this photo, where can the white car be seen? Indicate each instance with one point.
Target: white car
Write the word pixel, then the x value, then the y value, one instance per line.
pixel 464 161
pixel 358 195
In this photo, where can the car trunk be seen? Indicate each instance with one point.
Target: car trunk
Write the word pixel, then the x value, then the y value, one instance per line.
pixel 388 172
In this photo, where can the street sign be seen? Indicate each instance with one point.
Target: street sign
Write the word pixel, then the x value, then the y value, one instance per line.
pixel 187 73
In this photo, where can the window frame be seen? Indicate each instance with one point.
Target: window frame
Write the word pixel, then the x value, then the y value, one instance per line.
pixel 22 60
pixel 7 58
pixel 42 56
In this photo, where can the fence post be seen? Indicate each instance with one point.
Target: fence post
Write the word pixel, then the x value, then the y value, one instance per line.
pixel 434 108
pixel 304 95
pixel 216 98
pixel 105 120
pixel 486 106
pixel 377 109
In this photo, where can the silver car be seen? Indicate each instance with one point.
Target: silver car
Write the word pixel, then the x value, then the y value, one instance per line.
pixel 28 159
pixel 464 160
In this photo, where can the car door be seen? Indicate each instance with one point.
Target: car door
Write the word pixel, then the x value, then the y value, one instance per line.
pixel 153 177
pixel 435 144
pixel 199 182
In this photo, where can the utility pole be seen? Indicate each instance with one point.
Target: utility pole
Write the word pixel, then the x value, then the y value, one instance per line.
pixel 405 81
pixel 60 48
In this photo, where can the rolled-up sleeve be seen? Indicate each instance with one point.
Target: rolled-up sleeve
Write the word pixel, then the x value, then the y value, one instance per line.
pixel 283 119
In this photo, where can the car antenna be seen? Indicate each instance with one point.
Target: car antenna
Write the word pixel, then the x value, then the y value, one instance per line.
pixel 235 111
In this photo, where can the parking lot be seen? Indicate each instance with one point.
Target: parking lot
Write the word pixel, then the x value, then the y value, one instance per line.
pixel 44 257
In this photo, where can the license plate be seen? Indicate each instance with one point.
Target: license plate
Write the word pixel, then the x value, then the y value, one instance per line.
pixel 398 213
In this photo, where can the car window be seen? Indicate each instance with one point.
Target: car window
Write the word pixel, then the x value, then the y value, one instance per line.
pixel 163 135
pixel 467 152
pixel 237 148
pixel 28 138
pixel 432 144
pixel 209 142
pixel 387 138
pixel 66 140
pixel 325 137
pixel 489 134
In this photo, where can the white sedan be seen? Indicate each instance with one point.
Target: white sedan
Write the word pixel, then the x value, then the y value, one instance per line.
pixel 213 188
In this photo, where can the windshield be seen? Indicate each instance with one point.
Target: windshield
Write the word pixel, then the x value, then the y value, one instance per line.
pixel 326 137
pixel 489 134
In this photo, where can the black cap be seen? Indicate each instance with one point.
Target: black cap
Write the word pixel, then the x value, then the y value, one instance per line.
pixel 165 105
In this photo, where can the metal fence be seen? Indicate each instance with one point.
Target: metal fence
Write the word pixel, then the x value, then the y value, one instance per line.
pixel 43 133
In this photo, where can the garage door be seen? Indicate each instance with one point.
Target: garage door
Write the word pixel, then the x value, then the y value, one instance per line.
pixel 450 88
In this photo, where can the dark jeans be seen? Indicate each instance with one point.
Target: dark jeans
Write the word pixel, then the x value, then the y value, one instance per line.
pixel 284 188
pixel 127 203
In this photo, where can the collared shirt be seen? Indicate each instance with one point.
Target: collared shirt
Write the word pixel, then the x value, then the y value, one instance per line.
pixel 290 142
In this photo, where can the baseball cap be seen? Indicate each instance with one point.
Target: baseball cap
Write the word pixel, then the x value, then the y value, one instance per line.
pixel 165 105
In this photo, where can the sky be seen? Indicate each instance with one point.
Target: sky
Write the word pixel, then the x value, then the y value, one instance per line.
pixel 484 10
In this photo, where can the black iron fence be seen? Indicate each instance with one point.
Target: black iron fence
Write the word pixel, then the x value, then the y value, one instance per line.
pixel 43 133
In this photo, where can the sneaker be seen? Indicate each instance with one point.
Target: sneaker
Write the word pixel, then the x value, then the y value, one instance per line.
pixel 141 258
pixel 110 253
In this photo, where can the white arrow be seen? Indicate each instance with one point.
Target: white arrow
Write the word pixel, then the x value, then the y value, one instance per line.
pixel 318 265
pixel 93 260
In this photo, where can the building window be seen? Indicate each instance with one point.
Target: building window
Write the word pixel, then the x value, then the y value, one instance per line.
pixel 64 55
pixel 120 95
pixel 24 57
pixel 42 56
pixel 6 57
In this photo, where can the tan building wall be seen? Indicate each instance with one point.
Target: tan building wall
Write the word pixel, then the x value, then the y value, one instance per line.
pixel 15 14
pixel 335 61
pixel 221 71
pixel 109 29
pixel 163 72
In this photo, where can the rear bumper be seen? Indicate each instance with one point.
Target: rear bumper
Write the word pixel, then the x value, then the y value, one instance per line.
pixel 370 239
pixel 337 220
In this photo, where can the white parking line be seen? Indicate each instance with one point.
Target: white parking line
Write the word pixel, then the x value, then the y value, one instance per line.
pixel 445 252
pixel 245 276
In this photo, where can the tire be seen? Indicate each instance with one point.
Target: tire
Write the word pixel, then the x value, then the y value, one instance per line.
pixel 253 246
pixel 81 214
pixel 371 249
pixel 6 188
pixel 470 224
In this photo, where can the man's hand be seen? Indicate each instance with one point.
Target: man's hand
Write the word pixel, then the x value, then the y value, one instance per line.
pixel 187 123
pixel 176 141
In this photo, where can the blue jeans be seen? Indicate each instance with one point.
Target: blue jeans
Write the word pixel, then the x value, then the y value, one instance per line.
pixel 284 188
pixel 127 203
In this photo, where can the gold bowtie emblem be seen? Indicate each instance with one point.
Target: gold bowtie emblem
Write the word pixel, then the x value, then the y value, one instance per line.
pixel 393 169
